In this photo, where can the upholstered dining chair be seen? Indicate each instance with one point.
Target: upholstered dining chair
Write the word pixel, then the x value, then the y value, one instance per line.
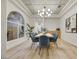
pixel 44 43
pixel 34 40
pixel 54 38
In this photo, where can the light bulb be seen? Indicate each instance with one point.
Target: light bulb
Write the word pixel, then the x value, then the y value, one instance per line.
pixel 42 12
pixel 46 12
pixel 48 9
pixel 38 11
pixel 49 14
pixel 51 11
pixel 43 9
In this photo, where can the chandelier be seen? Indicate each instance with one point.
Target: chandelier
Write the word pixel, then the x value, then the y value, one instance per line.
pixel 45 12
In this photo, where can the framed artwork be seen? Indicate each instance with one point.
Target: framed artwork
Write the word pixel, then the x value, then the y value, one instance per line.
pixel 71 24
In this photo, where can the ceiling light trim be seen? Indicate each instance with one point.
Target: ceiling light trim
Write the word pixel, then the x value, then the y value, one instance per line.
pixel 68 6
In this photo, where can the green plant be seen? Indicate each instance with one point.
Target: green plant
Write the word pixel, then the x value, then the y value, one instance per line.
pixel 30 28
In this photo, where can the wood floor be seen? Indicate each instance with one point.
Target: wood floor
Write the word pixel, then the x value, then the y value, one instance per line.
pixel 65 51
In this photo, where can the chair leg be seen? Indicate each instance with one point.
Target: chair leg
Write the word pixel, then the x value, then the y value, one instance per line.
pixel 31 45
pixel 39 50
pixel 56 44
pixel 47 51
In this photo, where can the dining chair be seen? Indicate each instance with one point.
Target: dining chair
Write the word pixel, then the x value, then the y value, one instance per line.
pixel 54 38
pixel 44 43
pixel 34 40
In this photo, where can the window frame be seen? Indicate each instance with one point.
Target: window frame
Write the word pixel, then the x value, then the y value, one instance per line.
pixel 19 24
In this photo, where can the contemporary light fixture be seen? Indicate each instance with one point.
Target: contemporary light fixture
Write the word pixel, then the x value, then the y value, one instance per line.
pixel 45 12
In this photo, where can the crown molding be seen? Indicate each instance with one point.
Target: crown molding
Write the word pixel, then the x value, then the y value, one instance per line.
pixel 37 16
pixel 52 16
pixel 19 4
pixel 24 6
pixel 25 9
pixel 67 7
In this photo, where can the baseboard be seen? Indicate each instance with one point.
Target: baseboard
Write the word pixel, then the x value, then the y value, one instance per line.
pixel 75 45
pixel 14 43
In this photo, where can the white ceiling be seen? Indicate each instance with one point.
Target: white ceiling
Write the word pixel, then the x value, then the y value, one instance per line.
pixel 35 5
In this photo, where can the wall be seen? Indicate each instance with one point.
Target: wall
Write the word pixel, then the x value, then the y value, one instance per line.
pixel 52 23
pixel 3 29
pixel 11 6
pixel 49 23
pixel 70 37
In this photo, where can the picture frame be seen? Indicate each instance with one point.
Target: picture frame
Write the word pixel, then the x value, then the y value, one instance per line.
pixel 71 24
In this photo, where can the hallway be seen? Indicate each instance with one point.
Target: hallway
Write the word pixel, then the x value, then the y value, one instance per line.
pixel 66 51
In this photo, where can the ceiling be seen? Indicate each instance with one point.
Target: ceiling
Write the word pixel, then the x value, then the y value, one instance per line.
pixel 35 5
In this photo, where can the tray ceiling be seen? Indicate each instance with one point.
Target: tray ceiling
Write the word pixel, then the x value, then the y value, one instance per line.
pixel 35 5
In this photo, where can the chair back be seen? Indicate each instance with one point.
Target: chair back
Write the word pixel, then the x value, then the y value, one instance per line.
pixel 32 35
pixel 55 36
pixel 44 41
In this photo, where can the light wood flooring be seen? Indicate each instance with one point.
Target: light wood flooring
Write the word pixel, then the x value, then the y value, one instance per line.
pixel 65 51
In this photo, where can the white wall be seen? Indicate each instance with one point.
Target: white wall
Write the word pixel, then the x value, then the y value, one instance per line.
pixel 49 23
pixel 52 23
pixel 6 8
pixel 3 29
pixel 13 7
pixel 70 37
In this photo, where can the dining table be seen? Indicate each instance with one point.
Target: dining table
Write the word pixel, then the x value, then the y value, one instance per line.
pixel 46 34
pixel 50 36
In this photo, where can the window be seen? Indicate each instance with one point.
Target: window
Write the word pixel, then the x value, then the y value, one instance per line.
pixel 15 26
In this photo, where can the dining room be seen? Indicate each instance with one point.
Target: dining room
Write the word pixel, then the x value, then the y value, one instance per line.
pixel 39 29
